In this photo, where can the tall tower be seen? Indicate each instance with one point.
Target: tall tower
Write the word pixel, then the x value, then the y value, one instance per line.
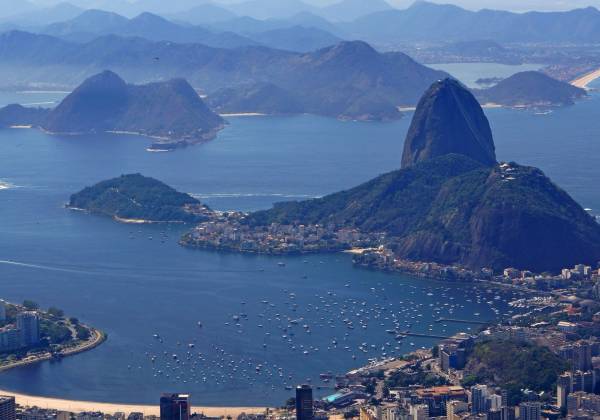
pixel 28 324
pixel 175 407
pixel 563 389
pixel 478 398
pixel 304 402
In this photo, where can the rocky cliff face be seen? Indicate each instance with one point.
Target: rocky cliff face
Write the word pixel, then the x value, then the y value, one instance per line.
pixel 449 119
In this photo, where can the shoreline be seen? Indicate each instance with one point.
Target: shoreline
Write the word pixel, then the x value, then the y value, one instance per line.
pixel 98 337
pixel 78 406
pixel 583 81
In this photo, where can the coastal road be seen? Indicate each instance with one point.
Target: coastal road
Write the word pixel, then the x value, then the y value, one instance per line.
pixel 585 80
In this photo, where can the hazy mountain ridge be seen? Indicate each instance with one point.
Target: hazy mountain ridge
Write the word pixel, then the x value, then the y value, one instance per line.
pixel 348 80
pixel 434 22
pixel 94 23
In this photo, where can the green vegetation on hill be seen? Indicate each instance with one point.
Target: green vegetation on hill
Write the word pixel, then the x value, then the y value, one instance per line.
pixel 514 366
pixel 394 202
pixel 401 378
pixel 138 197
pixel 453 210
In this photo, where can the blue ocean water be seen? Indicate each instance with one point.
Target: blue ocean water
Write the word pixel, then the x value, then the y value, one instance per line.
pixel 135 281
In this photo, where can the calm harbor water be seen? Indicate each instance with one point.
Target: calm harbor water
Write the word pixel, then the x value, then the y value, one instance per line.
pixel 263 326
pixel 470 73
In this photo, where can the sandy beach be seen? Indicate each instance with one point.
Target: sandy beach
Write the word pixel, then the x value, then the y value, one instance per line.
pixel 243 114
pixel 80 406
pixel 584 81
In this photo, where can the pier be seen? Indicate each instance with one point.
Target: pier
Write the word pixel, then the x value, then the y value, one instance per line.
pixel 411 334
pixel 463 321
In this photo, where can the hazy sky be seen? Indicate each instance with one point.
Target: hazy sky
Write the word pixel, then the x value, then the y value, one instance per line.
pixel 514 5
pixel 519 5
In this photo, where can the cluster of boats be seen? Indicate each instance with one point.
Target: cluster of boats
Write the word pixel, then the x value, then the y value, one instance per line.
pixel 278 342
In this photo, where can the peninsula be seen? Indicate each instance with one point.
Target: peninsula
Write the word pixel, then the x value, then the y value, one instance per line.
pixel 170 112
pixel 29 335
pixel 138 199
pixel 451 204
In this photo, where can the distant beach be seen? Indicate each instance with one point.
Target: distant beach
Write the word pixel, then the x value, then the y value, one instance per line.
pixel 585 80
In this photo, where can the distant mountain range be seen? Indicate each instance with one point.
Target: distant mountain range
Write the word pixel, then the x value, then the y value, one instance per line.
pixel 94 23
pixel 303 27
pixel 454 204
pixel 171 111
pixel 348 80
pixel 287 35
pixel 446 23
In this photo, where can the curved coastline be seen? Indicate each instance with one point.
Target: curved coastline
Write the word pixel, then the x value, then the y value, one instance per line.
pixel 97 338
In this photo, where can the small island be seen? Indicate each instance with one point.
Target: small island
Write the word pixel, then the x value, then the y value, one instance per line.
pixel 30 335
pixel 135 198
pixel 530 89
pixel 169 112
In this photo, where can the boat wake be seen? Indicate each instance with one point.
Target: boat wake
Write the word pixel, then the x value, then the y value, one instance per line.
pixel 42 267
pixel 5 185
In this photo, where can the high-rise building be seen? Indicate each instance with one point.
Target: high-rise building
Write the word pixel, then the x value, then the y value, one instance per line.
pixel 530 410
pixel 507 413
pixel 437 398
pixel 493 402
pixel 563 389
pixel 504 395
pixel 455 408
pixel 579 354
pixel 10 339
pixel 28 323
pixel 479 395
pixel 304 402
pixel 175 407
pixel 8 408
pixel 495 414
pixel 419 412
